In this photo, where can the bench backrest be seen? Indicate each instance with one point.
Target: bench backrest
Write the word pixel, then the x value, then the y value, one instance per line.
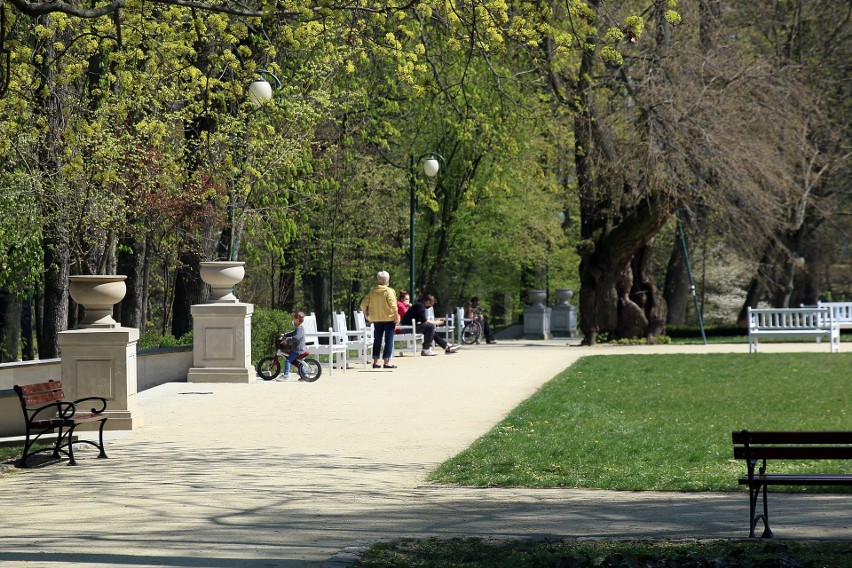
pixel 39 394
pixel 310 325
pixel 339 323
pixel 789 318
pixel 361 323
pixel 803 445
pixel 840 311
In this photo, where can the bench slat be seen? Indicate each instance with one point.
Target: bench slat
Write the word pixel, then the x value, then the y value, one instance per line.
pixel 798 479
pixel 793 452
pixel 787 437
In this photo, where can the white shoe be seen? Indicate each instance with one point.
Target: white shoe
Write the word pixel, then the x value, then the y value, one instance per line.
pixel 451 348
pixel 282 378
pixel 428 353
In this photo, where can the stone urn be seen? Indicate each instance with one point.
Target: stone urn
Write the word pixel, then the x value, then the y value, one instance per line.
pixel 564 295
pixel 537 298
pixel 98 293
pixel 222 276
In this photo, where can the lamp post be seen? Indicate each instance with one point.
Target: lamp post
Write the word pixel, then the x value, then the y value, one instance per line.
pixel 259 93
pixel 434 163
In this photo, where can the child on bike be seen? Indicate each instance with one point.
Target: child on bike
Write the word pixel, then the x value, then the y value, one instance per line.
pixel 295 341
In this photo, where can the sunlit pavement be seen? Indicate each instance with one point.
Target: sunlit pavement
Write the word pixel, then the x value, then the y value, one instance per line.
pixel 291 474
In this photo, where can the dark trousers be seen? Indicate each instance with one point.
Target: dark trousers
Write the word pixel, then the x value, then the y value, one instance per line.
pixel 486 329
pixel 428 331
pixel 383 331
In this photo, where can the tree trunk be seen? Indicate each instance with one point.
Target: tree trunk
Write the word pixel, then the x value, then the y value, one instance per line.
pixel 757 286
pixel 676 290
pixel 57 269
pixel 56 251
pixel 189 290
pixel 317 284
pixel 27 352
pixel 10 326
pixel 131 262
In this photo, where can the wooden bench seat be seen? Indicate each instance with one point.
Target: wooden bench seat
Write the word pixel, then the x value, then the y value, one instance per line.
pixel 758 447
pixel 46 410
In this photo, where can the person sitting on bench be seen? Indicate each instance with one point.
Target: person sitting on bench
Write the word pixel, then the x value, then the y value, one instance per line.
pixel 416 315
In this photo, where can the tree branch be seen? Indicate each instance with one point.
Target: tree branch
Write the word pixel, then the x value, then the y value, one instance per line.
pixel 41 8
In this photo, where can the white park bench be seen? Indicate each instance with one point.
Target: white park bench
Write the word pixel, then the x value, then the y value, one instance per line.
pixel 841 312
pixel 792 322
pixel 334 348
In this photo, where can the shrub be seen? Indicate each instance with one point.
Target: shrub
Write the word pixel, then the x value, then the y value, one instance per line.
pixel 265 325
pixel 153 340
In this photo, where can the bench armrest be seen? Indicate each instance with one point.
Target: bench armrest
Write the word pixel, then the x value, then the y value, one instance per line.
pixel 60 409
pixel 101 404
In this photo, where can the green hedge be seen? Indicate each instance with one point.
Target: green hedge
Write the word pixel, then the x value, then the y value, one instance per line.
pixel 265 325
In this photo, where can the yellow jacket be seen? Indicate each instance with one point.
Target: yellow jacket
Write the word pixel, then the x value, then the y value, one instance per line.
pixel 380 305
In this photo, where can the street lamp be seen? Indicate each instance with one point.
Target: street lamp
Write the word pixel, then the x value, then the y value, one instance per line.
pixel 260 91
pixel 434 164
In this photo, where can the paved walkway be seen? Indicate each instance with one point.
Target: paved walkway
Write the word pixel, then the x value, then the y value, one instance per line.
pixel 290 474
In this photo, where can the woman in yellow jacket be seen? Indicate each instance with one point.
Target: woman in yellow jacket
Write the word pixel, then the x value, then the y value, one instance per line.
pixel 380 309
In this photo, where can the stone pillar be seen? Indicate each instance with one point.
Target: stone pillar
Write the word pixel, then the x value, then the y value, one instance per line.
pixel 221 343
pixel 221 329
pixel 537 317
pixel 102 362
pixel 99 358
pixel 563 320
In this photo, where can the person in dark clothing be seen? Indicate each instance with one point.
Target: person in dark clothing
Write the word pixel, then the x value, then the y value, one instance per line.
pixel 416 316
pixel 470 311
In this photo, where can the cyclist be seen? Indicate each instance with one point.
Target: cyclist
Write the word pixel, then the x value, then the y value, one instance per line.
pixel 472 310
pixel 296 343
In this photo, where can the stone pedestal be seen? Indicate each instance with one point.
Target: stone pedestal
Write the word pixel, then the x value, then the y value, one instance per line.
pixel 563 319
pixel 221 343
pixel 537 317
pixel 102 362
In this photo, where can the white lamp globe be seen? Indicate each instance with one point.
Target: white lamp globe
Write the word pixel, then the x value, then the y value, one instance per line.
pixel 260 91
pixel 431 167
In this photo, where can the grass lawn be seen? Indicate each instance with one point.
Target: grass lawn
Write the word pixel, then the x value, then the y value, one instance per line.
pixel 657 422
pixel 471 553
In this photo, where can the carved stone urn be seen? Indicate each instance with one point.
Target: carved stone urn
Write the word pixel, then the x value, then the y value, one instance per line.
pixel 98 293
pixel 537 298
pixel 564 295
pixel 222 276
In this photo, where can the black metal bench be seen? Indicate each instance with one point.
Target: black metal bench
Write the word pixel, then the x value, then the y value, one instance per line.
pixel 46 410
pixel 757 447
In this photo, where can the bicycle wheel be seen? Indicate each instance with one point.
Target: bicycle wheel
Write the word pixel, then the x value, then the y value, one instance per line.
pixel 310 369
pixel 268 368
pixel 471 332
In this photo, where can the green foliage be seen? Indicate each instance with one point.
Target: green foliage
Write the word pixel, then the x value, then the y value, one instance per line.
pixel 265 326
pixel 621 422
pixel 154 340
pixel 20 244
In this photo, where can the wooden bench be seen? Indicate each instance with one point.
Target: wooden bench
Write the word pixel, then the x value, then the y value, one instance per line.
pixel 46 410
pixel 841 312
pixel 757 447
pixel 792 322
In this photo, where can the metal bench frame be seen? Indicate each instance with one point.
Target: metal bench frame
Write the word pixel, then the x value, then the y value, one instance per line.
pixel 757 447
pixel 46 410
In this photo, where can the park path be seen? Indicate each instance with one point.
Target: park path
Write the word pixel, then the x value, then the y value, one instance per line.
pixel 291 474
